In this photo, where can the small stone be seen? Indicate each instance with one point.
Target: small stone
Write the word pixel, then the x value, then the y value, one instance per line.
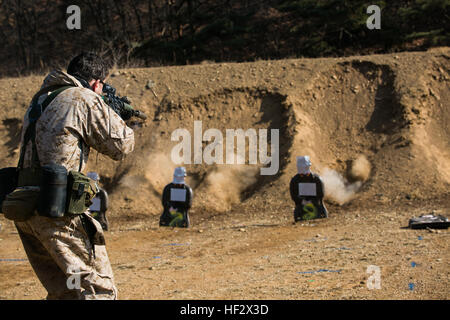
pixel 200 231
pixel 355 89
pixel 242 230
pixel 150 84
pixel 433 230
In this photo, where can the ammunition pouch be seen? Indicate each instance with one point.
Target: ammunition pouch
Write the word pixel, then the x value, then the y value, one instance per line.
pixel 8 182
pixel 80 192
pixel 21 204
pixel 52 200
pixel 48 190
pixel 18 201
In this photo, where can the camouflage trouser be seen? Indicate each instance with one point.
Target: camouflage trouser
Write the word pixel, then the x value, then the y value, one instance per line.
pixel 60 252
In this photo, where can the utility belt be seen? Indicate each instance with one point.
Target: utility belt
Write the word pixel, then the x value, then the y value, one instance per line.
pixel 49 191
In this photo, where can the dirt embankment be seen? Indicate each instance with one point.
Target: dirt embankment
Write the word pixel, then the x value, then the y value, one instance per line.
pixel 388 111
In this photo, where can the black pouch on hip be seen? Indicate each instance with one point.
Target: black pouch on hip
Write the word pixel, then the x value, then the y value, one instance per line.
pixel 8 182
pixel 53 195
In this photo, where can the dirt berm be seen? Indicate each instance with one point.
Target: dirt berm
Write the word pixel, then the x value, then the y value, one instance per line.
pixel 376 129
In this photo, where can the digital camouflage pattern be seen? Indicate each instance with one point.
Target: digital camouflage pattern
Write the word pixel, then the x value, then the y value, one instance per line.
pixel 77 113
pixel 61 255
pixel 60 249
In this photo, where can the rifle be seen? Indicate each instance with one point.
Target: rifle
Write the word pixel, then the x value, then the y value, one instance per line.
pixel 121 105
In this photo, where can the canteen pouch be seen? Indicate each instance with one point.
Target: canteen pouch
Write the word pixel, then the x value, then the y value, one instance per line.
pixel 20 204
pixel 52 200
pixel 80 192
pixel 8 182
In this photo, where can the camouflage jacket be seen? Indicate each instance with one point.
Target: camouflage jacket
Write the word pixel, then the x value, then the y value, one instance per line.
pixel 76 114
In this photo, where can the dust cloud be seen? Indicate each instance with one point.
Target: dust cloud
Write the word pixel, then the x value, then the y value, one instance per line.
pixel 225 183
pixel 338 189
pixel 360 169
pixel 220 188
pixel 159 171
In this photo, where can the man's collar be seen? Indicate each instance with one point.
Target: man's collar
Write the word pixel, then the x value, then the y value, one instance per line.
pixel 83 82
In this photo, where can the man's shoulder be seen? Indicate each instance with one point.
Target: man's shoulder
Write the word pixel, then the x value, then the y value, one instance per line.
pixel 81 94
pixel 84 99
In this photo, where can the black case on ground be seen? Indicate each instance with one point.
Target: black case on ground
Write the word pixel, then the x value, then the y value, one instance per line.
pixel 429 221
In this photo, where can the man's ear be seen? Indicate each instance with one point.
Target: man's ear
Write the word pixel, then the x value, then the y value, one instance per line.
pixel 95 85
pixel 92 83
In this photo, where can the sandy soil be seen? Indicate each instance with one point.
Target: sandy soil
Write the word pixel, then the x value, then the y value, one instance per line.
pixel 377 130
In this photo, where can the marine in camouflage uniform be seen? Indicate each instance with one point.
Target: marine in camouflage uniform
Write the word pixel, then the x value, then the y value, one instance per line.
pixel 60 250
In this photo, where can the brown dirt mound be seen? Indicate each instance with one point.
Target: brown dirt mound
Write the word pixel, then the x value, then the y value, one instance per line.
pixel 388 108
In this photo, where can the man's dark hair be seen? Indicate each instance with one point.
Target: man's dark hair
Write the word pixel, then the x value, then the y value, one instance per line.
pixel 88 66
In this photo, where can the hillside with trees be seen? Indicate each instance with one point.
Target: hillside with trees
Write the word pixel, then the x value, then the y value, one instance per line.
pixel 35 36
